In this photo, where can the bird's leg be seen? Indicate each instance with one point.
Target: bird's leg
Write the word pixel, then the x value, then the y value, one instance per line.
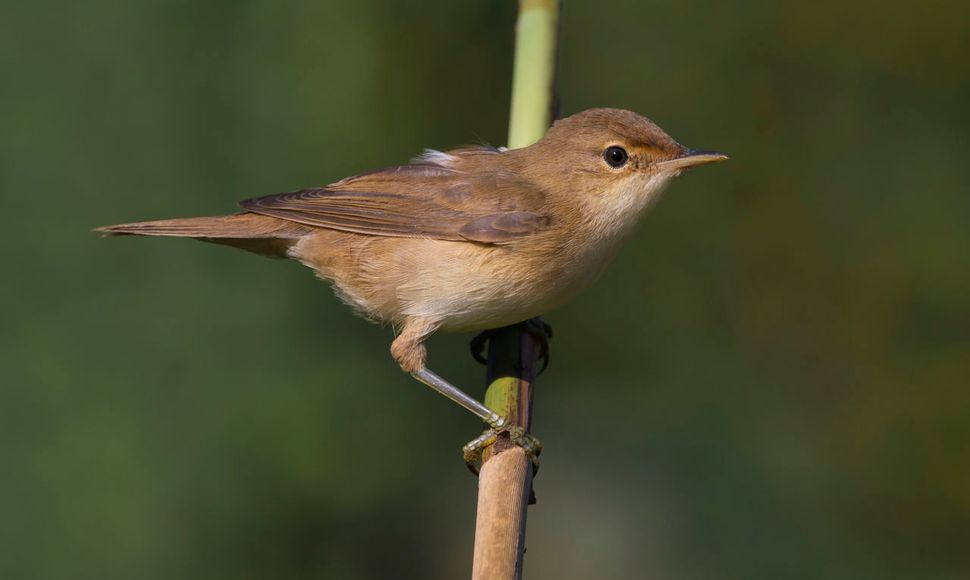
pixel 490 417
pixel 409 351
pixel 537 327
pixel 472 451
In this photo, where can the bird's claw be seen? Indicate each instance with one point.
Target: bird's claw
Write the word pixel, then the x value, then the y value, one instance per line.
pixel 474 449
pixel 537 327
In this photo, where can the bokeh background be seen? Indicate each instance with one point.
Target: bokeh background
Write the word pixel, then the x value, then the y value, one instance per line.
pixel 771 381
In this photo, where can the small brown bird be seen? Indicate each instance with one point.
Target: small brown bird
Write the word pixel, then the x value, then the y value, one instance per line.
pixel 469 239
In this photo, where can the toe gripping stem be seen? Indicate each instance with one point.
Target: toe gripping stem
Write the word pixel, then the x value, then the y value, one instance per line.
pixel 474 449
pixel 537 327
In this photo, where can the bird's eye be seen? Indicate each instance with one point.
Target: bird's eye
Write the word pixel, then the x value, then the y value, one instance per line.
pixel 615 156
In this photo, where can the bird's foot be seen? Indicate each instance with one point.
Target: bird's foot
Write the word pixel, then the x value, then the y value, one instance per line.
pixel 537 327
pixel 474 449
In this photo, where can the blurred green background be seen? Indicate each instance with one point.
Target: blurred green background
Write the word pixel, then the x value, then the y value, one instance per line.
pixel 771 381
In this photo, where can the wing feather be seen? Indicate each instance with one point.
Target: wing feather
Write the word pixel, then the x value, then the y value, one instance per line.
pixel 418 200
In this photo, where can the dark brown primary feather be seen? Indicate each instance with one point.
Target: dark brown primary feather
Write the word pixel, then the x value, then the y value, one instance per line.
pixel 421 200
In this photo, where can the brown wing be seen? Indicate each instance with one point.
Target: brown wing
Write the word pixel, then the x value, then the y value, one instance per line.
pixel 419 201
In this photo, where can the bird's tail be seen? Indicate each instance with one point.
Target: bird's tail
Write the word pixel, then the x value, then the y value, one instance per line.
pixel 248 231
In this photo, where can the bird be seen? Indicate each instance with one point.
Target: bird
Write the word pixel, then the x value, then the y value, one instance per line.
pixel 467 239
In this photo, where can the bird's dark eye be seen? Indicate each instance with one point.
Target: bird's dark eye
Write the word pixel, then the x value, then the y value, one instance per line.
pixel 615 156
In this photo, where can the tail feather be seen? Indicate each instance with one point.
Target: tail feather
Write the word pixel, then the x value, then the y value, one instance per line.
pixel 248 231
pixel 241 225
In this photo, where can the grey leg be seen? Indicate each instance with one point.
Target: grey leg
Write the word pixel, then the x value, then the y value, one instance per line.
pixel 472 450
pixel 490 417
pixel 409 351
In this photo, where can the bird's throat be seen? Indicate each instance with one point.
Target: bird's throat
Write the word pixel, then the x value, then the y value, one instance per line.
pixel 614 212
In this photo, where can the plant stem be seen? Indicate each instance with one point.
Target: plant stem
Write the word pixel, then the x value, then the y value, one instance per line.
pixel 534 72
pixel 505 480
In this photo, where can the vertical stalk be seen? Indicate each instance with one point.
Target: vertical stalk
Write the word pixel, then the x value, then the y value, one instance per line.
pixel 505 480
pixel 534 72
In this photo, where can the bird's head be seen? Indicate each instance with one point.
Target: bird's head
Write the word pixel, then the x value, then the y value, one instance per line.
pixel 614 145
pixel 616 160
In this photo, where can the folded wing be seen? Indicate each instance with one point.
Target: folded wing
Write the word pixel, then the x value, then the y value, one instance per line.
pixel 421 200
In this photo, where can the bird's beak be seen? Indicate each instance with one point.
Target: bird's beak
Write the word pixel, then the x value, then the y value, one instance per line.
pixel 691 158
